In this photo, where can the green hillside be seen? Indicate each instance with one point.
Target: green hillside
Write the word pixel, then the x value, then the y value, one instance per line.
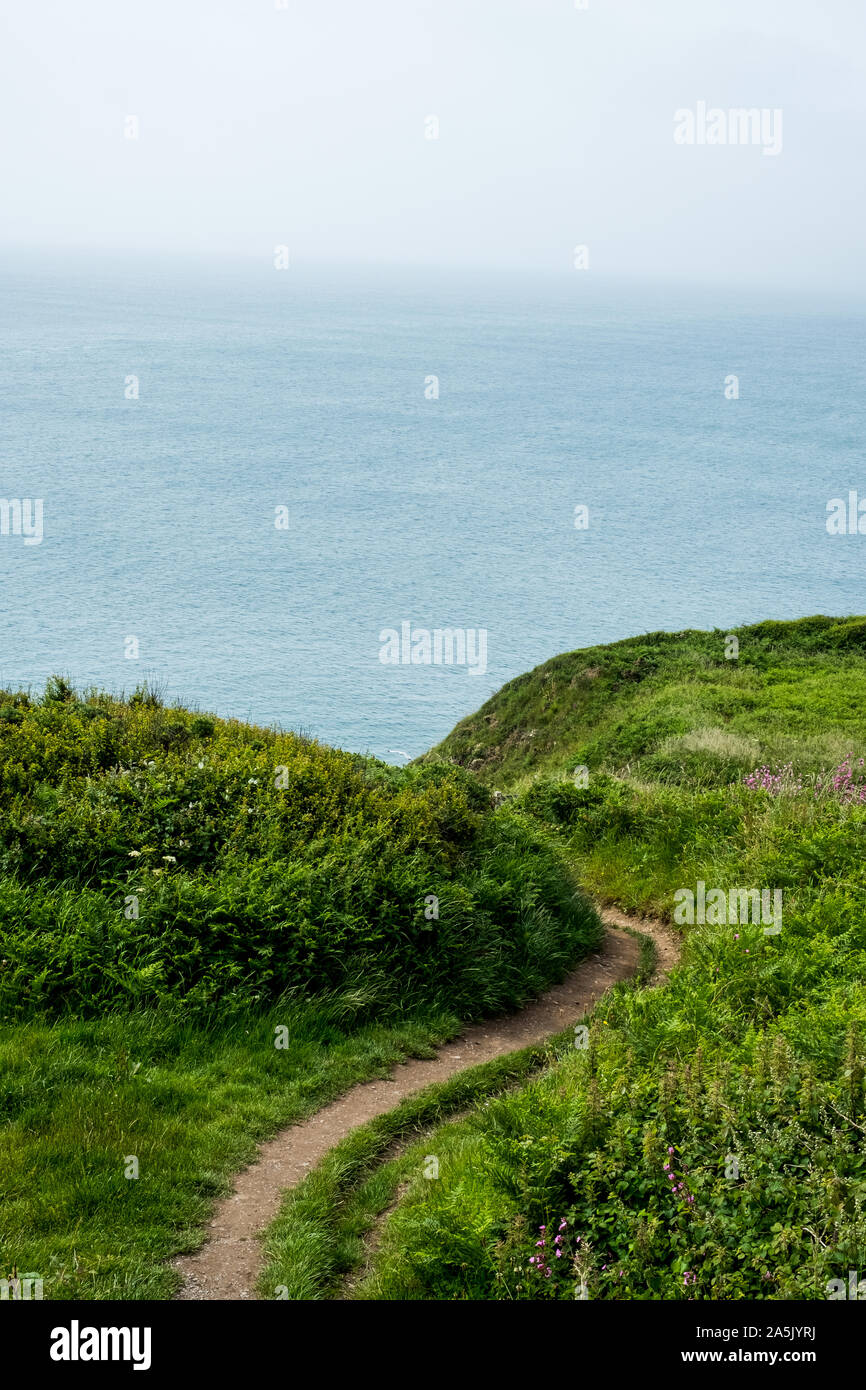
pixel 671 707
pixel 150 854
pixel 708 1140
pixel 176 890
pixel 209 930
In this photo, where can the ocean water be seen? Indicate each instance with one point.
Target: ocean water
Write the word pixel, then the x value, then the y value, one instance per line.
pixel 306 389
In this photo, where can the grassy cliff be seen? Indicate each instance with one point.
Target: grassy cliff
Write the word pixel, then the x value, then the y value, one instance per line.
pixel 209 930
pixel 150 855
pixel 676 707
pixel 708 1141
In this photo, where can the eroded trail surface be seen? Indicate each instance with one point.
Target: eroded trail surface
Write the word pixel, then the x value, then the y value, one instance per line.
pixel 228 1264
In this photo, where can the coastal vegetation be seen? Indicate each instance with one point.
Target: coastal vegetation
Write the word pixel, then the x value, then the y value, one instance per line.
pixel 208 930
pixel 177 892
pixel 708 1140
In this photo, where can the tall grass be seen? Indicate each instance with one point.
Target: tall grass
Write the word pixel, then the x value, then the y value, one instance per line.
pixel 175 889
pixel 151 855
pixel 709 1141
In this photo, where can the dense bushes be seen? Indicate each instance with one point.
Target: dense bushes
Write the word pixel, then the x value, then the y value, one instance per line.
pixel 150 854
pixel 704 1180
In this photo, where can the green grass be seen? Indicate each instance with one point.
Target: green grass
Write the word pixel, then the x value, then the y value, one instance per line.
pixel 150 855
pixel 172 889
pixel 670 707
pixel 189 1100
pixel 746 1072
pixel 318 1237
pixel 305 904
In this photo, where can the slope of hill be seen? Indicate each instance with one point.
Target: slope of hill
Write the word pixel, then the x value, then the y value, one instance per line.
pixel 207 932
pixel 707 1142
pixel 149 854
pixel 694 707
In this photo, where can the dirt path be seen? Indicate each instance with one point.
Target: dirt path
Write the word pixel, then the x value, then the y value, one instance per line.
pixel 228 1264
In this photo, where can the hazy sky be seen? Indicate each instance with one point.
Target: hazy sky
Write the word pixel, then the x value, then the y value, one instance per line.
pixel 306 126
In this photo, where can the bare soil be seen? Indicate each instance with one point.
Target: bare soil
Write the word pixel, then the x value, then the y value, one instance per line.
pixel 228 1263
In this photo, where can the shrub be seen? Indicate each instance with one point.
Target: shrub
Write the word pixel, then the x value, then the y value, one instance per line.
pixel 136 869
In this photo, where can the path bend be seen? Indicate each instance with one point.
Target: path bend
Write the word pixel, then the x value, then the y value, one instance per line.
pixel 227 1265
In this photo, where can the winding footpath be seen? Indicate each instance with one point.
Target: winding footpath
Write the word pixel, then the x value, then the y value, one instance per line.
pixel 228 1264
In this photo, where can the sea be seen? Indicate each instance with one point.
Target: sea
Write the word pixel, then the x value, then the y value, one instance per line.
pixel 248 476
